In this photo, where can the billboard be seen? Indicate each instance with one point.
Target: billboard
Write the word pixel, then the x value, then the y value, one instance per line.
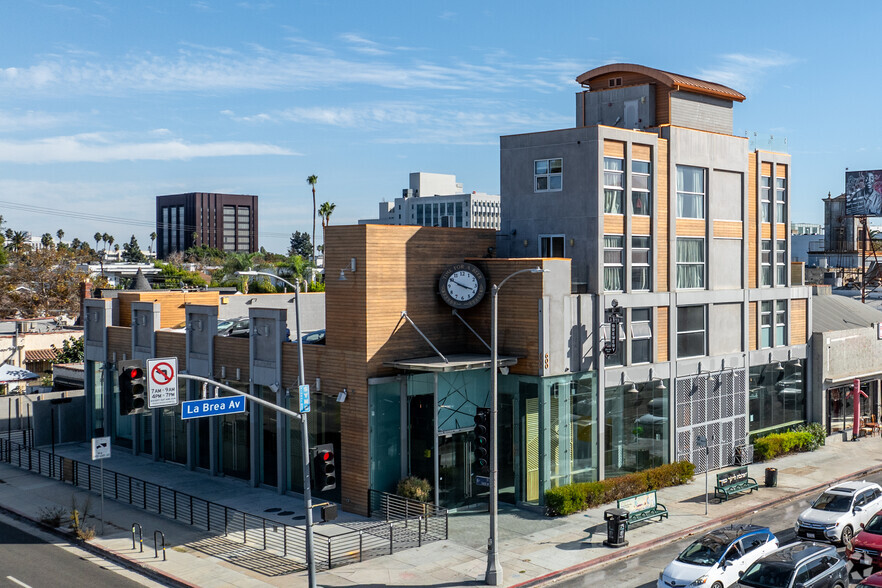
pixel 863 193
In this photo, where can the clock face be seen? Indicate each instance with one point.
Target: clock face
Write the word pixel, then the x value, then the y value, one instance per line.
pixel 462 285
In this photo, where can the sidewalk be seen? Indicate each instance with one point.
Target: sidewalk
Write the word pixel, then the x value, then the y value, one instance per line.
pixel 533 548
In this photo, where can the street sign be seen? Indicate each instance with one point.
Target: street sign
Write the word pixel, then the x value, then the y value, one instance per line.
pixel 482 481
pixel 100 448
pixel 304 398
pixel 162 382
pixel 192 409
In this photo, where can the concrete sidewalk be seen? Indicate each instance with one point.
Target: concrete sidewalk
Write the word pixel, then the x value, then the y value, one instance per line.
pixel 533 549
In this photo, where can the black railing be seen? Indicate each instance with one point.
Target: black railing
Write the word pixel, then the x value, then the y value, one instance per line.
pixel 393 508
pixel 357 542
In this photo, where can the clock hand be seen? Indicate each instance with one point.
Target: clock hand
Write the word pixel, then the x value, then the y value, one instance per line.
pixel 462 285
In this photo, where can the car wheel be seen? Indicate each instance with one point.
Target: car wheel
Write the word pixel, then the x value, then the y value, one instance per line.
pixel 717 585
pixel 847 535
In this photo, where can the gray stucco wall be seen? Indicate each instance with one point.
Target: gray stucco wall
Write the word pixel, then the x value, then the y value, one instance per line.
pixel 607 107
pixel 312 308
pixel 701 112
pixel 724 321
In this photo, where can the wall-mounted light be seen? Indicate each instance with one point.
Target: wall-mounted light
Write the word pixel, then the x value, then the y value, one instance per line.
pixel 351 268
pixel 526 242
pixel 318 384
pixel 572 241
pixel 274 387
pixel 223 372
pixel 238 374
pixel 504 370
pixel 341 397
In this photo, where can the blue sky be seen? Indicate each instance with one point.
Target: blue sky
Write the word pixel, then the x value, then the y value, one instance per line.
pixel 106 104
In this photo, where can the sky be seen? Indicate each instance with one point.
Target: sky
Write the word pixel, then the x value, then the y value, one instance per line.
pixel 105 104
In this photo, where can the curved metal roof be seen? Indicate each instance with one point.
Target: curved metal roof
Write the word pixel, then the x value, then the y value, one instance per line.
pixel 671 80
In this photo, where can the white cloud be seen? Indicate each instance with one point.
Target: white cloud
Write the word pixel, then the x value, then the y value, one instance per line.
pixel 362 45
pixel 16 121
pixel 742 72
pixel 99 148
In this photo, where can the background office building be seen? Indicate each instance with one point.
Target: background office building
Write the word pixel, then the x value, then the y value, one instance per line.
pixel 222 221
pixel 437 200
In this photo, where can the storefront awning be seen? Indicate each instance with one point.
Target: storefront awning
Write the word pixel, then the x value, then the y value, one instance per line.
pixel 11 373
pixel 454 363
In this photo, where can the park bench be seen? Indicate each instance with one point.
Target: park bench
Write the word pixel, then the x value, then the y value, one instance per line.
pixel 641 507
pixel 734 482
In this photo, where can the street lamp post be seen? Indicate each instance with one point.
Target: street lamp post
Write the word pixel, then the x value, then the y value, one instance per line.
pixel 304 432
pixel 493 575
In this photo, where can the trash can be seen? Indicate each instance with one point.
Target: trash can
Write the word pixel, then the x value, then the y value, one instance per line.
pixel 771 477
pixel 615 527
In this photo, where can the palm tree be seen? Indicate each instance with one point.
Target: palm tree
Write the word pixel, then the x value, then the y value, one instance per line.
pixel 104 239
pixel 152 240
pixel 97 237
pixel 18 242
pixel 110 240
pixel 236 262
pixel 60 234
pixel 311 180
pixel 325 211
pixel 46 240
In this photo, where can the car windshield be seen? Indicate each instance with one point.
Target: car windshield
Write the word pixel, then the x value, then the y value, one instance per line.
pixel 832 502
pixel 771 574
pixel 224 324
pixel 705 552
pixel 874 525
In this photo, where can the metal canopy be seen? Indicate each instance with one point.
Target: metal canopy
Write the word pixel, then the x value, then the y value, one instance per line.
pixel 454 363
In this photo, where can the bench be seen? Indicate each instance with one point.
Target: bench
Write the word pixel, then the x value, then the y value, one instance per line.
pixel 641 507
pixel 734 482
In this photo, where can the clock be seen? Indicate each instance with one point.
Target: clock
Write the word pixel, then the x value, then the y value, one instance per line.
pixel 462 285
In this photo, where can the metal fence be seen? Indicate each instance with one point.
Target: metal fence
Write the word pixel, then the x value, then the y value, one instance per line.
pixel 355 542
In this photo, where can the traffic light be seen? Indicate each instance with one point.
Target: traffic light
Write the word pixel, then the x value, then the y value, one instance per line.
pixel 324 470
pixel 132 388
pixel 482 442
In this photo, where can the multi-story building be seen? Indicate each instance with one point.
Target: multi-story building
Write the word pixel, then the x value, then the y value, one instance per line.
pixel 223 221
pixel 437 200
pixel 665 211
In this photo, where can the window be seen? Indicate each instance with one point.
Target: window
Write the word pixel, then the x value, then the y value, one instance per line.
pixel 690 331
pixel 551 246
pixel 640 262
pixel 641 183
pixel 765 324
pixel 613 266
pixel 548 175
pixel 781 323
pixel 690 192
pixel 780 199
pixel 613 184
pixel 641 335
pixel 766 199
pixel 690 263
pixel 781 262
pixel 766 263
pixel 613 82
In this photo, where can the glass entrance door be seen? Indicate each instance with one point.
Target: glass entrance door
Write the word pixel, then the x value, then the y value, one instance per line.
pixel 456 488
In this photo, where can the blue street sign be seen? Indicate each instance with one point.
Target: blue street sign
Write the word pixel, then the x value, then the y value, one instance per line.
pixel 482 481
pixel 192 409
pixel 304 398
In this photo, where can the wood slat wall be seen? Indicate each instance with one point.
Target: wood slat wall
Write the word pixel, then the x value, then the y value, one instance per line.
pixel 766 168
pixel 119 340
pixel 728 229
pixel 641 225
pixel 662 220
pixel 766 230
pixel 751 220
pixel 798 321
pixel 172 345
pixel 171 304
pixel 661 333
pixel 753 340
pixel 781 170
pixel 780 231
pixel 613 149
pixel 613 224
pixel 691 227
pixel 231 353
pixel 641 152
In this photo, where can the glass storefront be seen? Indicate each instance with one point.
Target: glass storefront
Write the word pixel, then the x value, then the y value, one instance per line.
pixel 174 430
pixel 385 435
pixel 268 456
pixel 637 427
pixel 235 441
pixel 776 394
pixel 324 427
pixel 840 406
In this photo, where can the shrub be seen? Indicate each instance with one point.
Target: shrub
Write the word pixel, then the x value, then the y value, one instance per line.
pixel 818 433
pixel 571 498
pixel 415 489
pixel 776 444
pixel 51 515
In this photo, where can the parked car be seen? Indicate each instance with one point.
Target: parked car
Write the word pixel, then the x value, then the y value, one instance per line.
pixel 874 580
pixel 718 558
pixel 865 550
pixel 237 327
pixel 314 338
pixel 839 511
pixel 798 564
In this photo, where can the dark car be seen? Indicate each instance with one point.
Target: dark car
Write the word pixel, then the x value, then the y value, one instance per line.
pixel 314 338
pixel 237 327
pixel 796 565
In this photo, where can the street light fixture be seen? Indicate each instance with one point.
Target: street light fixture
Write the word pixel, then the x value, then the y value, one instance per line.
pixel 493 575
pixel 304 433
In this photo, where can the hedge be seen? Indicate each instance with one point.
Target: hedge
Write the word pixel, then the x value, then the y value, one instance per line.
pixel 571 498
pixel 804 438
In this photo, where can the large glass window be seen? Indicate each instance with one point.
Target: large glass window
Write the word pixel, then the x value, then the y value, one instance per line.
pixel 690 262
pixel 548 175
pixel 641 186
pixel 613 184
pixel 780 199
pixel 766 199
pixel 573 438
pixel 781 262
pixel 690 331
pixel 777 396
pixel 690 192
pixel 613 263
pixel 641 335
pixel 640 256
pixel 637 429
pixel 551 246
pixel 766 262
pixel 385 434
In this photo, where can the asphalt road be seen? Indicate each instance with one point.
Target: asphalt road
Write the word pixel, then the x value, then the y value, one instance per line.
pixel 642 570
pixel 28 560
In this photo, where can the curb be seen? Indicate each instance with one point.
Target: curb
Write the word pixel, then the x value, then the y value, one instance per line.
pixel 102 552
pixel 671 537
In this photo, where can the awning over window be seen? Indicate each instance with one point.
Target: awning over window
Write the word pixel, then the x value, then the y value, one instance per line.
pixel 454 363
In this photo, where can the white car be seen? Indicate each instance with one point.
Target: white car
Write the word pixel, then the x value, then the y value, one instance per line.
pixel 717 559
pixel 839 512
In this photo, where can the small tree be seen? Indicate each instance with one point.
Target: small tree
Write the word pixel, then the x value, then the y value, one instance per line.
pixel 132 252
pixel 72 351
pixel 300 245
